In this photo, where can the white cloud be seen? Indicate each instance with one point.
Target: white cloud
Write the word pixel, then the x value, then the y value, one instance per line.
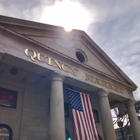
pixel 115 27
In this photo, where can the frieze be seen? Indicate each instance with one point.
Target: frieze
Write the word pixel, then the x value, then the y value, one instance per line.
pixel 33 55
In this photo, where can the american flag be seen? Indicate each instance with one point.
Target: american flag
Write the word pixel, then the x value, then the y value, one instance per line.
pixel 83 118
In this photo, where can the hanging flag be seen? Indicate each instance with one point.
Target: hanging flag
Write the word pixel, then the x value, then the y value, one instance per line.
pixel 83 118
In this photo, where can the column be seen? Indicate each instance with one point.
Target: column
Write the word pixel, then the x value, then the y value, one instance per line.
pixel 106 117
pixel 57 120
pixel 134 123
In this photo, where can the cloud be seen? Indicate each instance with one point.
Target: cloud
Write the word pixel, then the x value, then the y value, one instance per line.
pixel 115 27
pixel 117 32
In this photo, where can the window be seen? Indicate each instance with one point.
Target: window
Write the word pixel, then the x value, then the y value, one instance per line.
pixel 5 132
pixel 81 56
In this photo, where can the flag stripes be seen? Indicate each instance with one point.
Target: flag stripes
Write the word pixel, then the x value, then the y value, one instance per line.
pixel 83 118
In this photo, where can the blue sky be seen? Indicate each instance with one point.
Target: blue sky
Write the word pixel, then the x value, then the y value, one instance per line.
pixel 113 25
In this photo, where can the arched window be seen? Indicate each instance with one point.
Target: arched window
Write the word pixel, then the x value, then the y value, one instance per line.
pixel 6 132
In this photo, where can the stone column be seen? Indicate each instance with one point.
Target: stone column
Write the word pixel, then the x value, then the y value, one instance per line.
pixel 106 117
pixel 57 120
pixel 134 123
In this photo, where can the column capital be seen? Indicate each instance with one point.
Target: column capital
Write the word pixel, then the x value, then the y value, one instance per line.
pixel 57 77
pixel 102 93
pixel 130 102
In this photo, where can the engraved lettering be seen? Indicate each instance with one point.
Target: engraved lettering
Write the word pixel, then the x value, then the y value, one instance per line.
pixel 116 88
pixel 87 77
pixel 50 61
pixel 110 86
pixel 74 71
pixel 31 56
pixel 64 66
pixel 97 81
pixel 121 90
pixel 103 83
pixel 57 64
pixel 39 57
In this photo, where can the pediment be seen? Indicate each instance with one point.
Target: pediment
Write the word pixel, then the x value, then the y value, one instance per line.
pixel 69 48
pixel 58 40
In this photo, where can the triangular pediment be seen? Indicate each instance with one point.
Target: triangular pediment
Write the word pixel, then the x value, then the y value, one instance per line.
pixel 69 47
pixel 56 39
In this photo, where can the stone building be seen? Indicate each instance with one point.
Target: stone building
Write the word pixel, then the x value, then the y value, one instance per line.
pixel 38 62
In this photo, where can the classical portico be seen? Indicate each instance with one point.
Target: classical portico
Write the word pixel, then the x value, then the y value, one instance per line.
pixel 57 112
pixel 38 63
